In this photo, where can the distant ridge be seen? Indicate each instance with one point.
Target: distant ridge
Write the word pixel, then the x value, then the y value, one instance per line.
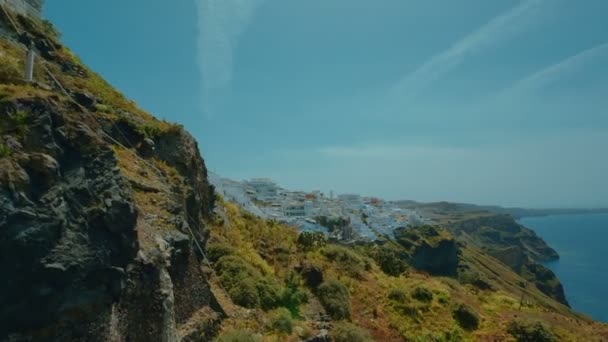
pixel 517 213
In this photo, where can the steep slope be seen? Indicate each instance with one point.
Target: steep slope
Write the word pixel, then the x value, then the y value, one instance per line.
pixel 99 206
pixel 370 288
pixel 516 246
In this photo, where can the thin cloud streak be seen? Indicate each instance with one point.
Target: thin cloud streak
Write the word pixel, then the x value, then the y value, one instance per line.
pixel 559 70
pixel 496 31
pixel 220 24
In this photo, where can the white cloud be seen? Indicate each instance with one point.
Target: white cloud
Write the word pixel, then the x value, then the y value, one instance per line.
pixel 558 71
pixel 496 31
pixel 220 24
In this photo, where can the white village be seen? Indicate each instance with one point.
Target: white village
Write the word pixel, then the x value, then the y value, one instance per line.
pixel 345 217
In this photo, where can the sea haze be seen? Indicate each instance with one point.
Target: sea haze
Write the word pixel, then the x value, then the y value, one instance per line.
pixel 581 241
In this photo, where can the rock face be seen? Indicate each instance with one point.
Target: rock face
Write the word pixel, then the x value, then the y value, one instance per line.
pixel 67 223
pixel 431 249
pixel 69 239
pixel 516 246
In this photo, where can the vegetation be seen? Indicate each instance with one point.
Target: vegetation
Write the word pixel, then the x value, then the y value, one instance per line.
pixel 466 317
pixel 15 122
pixel 390 262
pixel 422 294
pixel 238 336
pixel 4 151
pixel 348 260
pixel 348 332
pixel 398 295
pixel 526 332
pixel 308 241
pixel 333 224
pixel 10 69
pixel 247 285
pixel 281 321
pixel 335 299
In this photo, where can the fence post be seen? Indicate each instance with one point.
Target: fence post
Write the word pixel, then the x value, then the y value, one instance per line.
pixel 29 65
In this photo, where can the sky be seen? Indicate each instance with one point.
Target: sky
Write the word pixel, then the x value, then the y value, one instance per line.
pixel 491 102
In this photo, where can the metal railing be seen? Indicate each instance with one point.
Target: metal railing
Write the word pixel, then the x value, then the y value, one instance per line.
pixel 24 7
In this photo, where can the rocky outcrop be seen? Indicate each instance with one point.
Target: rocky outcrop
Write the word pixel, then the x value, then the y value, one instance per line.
pixel 496 232
pixel 69 235
pixel 67 224
pixel 516 246
pixel 431 249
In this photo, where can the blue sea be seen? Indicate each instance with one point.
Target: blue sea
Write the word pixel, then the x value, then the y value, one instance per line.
pixel 582 243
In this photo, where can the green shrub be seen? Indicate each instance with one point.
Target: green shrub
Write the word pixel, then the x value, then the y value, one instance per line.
pixel 536 332
pixel 398 295
pixel 246 285
pixel 443 298
pixel 466 317
pixel 308 241
pixel 335 299
pixel 269 293
pixel 348 332
pixel 4 151
pixel 390 262
pixel 238 336
pixel 50 29
pixel 10 69
pixel 422 294
pixel 245 293
pixel 281 321
pixel 293 295
pixel 15 122
pixel 216 250
pixel 347 260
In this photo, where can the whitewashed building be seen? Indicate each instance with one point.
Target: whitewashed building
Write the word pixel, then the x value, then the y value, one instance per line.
pixel 352 201
pixel 264 189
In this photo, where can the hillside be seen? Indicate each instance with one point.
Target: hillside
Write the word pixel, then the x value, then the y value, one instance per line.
pixel 111 231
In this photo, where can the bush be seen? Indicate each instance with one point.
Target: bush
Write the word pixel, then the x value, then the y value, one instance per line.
pixel 335 299
pixel 238 336
pixel 10 70
pixel 292 295
pixel 466 317
pixel 281 321
pixel 4 151
pixel 348 332
pixel 269 293
pixel 443 298
pixel 216 250
pixel 308 241
pixel 245 294
pixel 422 294
pixel 390 262
pixel 536 332
pixel 348 260
pixel 246 285
pixel 397 295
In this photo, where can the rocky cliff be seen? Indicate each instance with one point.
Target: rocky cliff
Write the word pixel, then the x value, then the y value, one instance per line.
pixel 100 204
pixel 515 245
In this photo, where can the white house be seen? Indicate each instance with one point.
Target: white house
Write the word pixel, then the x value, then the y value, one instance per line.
pixel 264 189
pixel 352 201
pixel 295 209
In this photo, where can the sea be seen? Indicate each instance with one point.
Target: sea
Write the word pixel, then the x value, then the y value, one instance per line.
pixel 582 243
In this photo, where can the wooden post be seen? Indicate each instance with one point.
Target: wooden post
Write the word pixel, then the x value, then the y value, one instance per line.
pixel 29 65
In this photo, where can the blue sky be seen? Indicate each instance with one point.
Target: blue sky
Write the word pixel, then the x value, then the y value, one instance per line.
pixel 494 102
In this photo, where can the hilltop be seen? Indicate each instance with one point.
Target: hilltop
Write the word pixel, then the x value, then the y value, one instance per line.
pixel 110 230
